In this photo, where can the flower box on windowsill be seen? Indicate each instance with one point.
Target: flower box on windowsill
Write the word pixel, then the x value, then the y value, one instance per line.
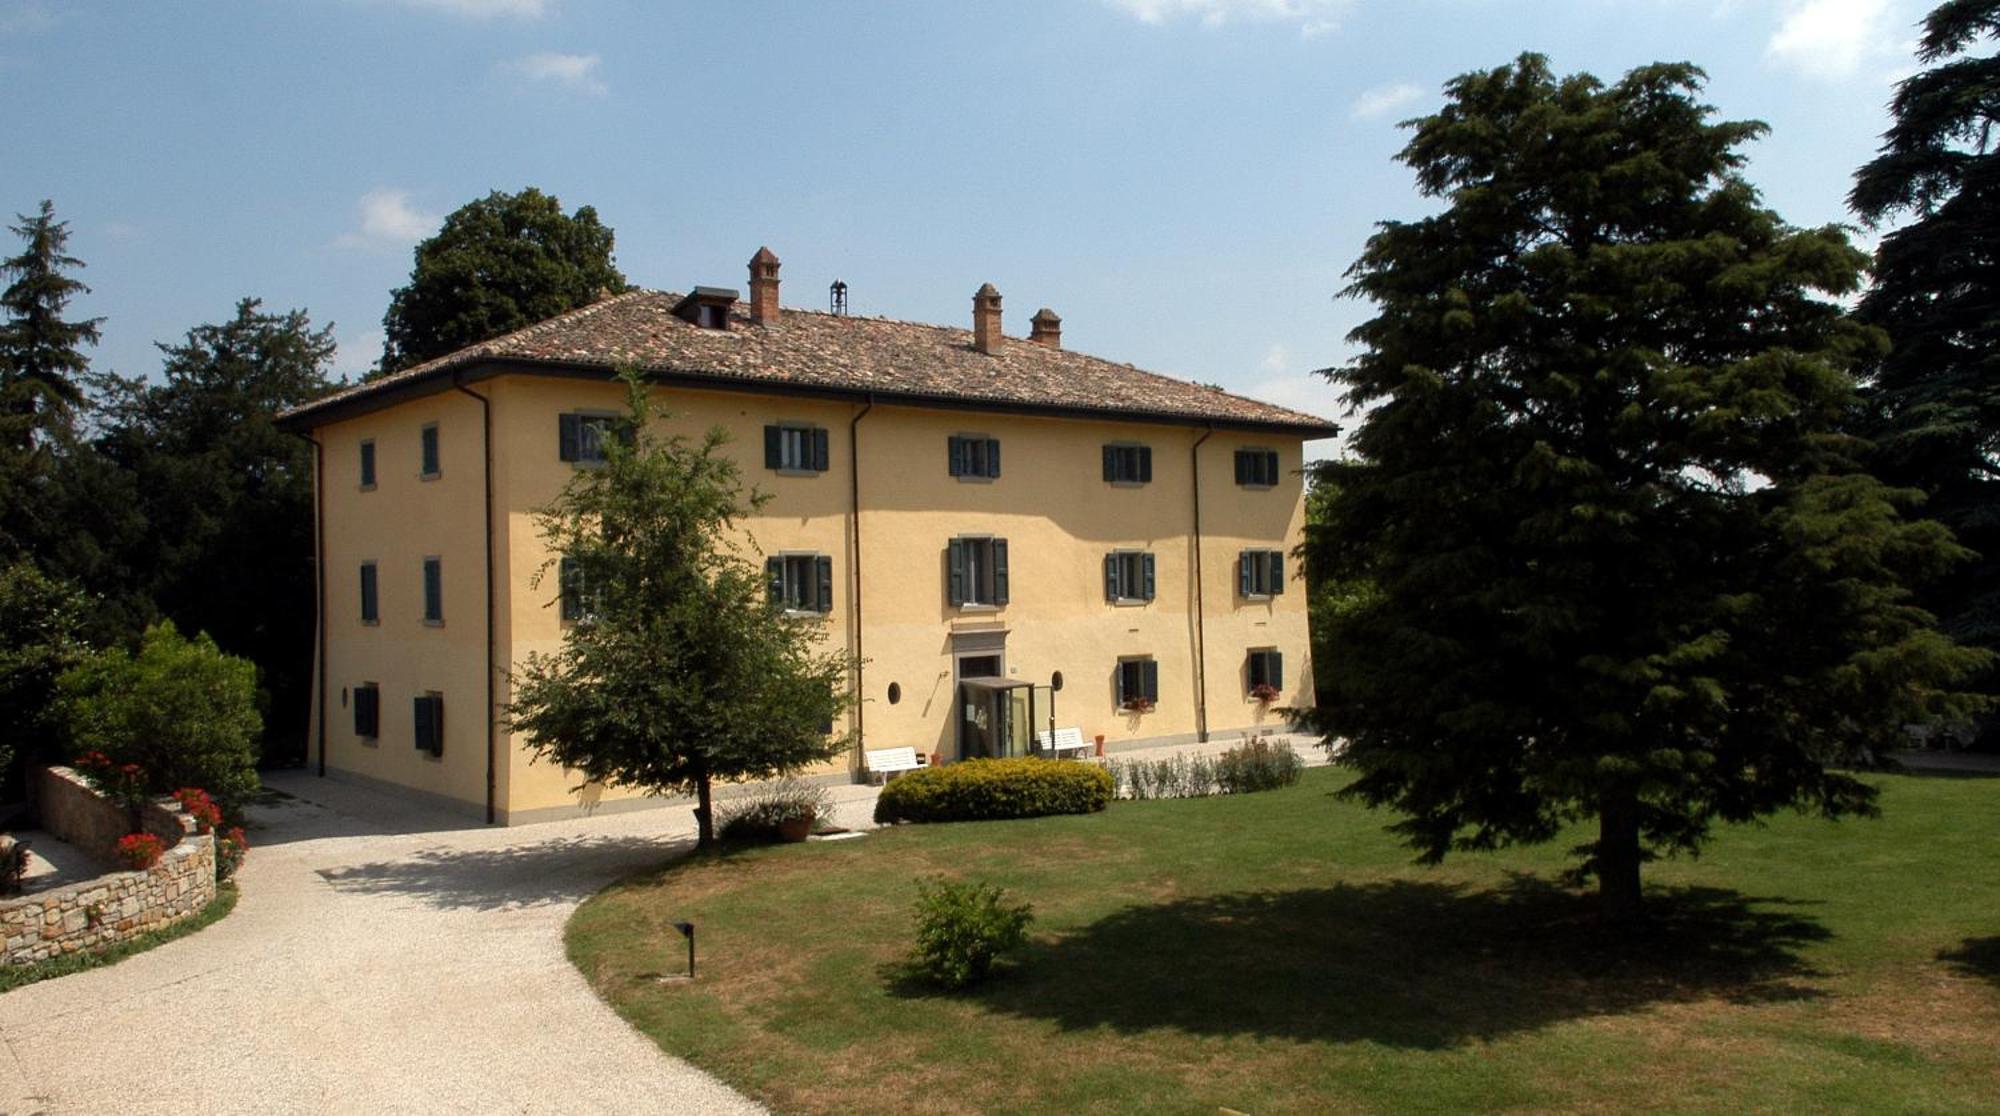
pixel 1264 693
pixel 1138 705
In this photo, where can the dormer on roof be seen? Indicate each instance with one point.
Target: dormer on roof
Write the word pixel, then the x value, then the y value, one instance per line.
pixel 707 307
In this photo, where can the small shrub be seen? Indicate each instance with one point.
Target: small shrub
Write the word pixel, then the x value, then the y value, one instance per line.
pixel 199 806
pixel 13 865
pixel 963 927
pixel 1258 765
pixel 1176 777
pixel 985 789
pixel 758 817
pixel 230 849
pixel 140 851
pixel 180 709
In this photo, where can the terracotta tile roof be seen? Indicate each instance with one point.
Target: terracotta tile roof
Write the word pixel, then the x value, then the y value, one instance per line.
pixel 820 353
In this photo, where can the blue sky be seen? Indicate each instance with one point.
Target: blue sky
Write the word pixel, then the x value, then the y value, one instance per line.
pixel 1184 181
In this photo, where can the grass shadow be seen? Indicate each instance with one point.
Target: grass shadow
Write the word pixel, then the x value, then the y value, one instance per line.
pixel 1975 957
pixel 1408 964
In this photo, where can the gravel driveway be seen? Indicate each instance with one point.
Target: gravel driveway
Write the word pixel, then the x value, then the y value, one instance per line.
pixel 383 958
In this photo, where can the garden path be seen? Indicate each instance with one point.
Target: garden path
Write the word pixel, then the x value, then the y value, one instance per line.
pixel 384 957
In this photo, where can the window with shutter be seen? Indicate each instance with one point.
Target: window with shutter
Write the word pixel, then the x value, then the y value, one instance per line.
pixel 368 463
pixel 1137 684
pixel 1128 464
pixel 1128 576
pixel 433 591
pixel 429 710
pixel 1257 468
pixel 976 571
pixel 430 450
pixel 795 449
pixel 801 582
pixel 371 612
pixel 367 710
pixel 1260 573
pixel 973 456
pixel 1266 668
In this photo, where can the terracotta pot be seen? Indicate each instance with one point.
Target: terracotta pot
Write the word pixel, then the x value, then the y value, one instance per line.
pixel 796 829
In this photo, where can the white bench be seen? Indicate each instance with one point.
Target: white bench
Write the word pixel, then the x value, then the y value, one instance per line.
pixel 888 761
pixel 1063 740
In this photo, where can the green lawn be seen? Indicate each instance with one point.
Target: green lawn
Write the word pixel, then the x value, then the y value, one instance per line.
pixel 1278 953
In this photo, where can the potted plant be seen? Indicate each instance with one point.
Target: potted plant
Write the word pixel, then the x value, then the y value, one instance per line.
pixel 1264 693
pixel 786 810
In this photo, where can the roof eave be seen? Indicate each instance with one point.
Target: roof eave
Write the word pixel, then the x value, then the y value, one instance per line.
pixel 313 415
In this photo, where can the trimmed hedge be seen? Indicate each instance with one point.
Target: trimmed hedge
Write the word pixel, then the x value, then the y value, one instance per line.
pixel 985 789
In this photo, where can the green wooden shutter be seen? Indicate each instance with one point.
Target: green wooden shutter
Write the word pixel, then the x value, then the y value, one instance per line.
pixel 569 437
pixel 370 606
pixel 1111 463
pixel 955 565
pixel 819 450
pixel 568 589
pixel 422 711
pixel 1277 670
pixel 1242 467
pixel 368 464
pixel 999 571
pixel 1271 467
pixel 1145 464
pixel 1149 675
pixel 433 590
pixel 430 450
pixel 1111 592
pixel 1146 561
pixel 955 456
pixel 1118 684
pixel 774 577
pixel 773 447
pixel 1277 572
pixel 1257 672
pixel 992 457
pixel 823 566
pixel 1246 569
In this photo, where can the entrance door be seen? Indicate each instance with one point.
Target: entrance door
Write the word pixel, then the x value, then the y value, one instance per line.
pixel 995 718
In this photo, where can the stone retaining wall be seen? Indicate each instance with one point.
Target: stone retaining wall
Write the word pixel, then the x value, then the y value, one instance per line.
pixel 118 904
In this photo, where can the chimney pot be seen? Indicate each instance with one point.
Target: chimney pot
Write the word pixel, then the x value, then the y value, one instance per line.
pixel 1045 328
pixel 764 287
pixel 986 319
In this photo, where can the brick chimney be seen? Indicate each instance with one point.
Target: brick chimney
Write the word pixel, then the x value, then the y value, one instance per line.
pixel 764 287
pixel 986 319
pixel 1045 328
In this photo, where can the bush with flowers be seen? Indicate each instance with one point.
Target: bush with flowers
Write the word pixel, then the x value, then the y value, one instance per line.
pixel 140 851
pixel 199 806
pixel 230 849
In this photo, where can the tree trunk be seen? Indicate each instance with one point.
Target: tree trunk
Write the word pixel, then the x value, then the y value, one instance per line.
pixel 1618 858
pixel 704 812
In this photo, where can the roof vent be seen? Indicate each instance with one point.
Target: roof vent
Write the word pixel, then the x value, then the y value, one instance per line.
pixel 707 307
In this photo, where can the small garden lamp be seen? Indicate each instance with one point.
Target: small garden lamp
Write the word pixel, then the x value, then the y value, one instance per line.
pixel 687 931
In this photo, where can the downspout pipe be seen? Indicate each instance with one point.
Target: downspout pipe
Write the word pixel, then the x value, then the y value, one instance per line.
pixel 492 684
pixel 319 589
pixel 1200 611
pixel 854 515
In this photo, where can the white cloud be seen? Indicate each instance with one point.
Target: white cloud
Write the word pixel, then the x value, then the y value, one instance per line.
pixel 388 220
pixel 1385 99
pixel 1277 359
pixel 1836 39
pixel 485 9
pixel 576 72
pixel 1312 17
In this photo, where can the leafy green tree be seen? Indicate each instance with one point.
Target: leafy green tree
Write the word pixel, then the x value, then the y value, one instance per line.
pixel 40 622
pixel 498 264
pixel 226 497
pixel 1935 398
pixel 684 669
pixel 1623 565
pixel 181 709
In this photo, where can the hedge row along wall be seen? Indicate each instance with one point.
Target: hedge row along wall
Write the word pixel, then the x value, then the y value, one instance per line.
pixel 117 905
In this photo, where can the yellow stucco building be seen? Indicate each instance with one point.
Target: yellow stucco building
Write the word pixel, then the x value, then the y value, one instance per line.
pixel 972 514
